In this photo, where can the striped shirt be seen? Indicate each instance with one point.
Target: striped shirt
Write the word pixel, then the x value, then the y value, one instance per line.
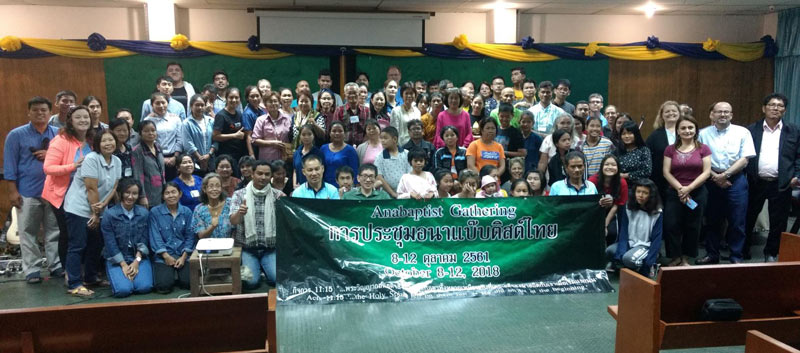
pixel 594 154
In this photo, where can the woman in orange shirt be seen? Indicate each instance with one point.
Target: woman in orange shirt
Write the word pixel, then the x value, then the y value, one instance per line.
pixel 64 156
pixel 485 151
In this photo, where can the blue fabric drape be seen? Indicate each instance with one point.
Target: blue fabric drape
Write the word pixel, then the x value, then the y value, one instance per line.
pixel 448 52
pixel 787 62
pixel 26 52
pixel 157 49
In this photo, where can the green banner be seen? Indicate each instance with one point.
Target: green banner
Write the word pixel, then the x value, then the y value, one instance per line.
pixel 336 251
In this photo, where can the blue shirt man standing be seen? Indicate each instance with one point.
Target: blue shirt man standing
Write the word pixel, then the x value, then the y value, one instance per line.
pixel 23 164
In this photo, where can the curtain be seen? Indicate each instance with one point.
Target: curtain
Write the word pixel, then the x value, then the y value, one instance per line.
pixel 787 62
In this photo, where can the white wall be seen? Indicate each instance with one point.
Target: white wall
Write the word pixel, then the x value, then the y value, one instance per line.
pixel 445 26
pixel 63 22
pixel 636 28
pixel 771 24
pixel 216 25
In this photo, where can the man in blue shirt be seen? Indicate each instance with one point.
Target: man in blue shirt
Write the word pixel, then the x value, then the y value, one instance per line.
pixel 731 147
pixel 164 85
pixel 314 187
pixel 24 154
pixel 221 83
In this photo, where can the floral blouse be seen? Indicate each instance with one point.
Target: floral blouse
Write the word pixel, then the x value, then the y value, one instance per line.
pixel 201 219
pixel 637 162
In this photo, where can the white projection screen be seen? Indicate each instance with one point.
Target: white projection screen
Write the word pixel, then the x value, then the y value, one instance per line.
pixel 354 29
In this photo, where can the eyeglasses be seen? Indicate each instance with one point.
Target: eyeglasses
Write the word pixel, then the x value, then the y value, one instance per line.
pixel 776 105
pixel 366 176
pixel 723 112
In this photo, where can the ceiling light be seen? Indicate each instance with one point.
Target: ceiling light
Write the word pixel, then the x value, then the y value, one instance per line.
pixel 650 9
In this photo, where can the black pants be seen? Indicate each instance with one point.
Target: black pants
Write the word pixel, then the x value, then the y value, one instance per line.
pixel 681 224
pixel 164 277
pixel 779 205
pixel 63 236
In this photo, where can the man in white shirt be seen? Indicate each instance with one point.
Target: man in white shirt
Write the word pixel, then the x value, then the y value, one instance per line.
pixel 545 113
pixel 731 147
pixel 773 172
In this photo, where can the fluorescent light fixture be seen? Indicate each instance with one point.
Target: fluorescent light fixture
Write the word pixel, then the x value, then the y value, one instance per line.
pixel 500 4
pixel 650 9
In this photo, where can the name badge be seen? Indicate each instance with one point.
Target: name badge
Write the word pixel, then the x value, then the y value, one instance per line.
pixel 195 193
pixel 237 125
pixel 127 172
pixel 354 119
pixel 542 128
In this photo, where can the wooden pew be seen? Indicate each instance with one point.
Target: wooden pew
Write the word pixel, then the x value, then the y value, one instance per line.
pixel 207 324
pixel 663 314
pixel 758 342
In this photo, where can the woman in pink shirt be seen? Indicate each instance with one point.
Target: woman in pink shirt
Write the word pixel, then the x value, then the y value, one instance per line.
pixel 271 132
pixel 64 157
pixel 454 116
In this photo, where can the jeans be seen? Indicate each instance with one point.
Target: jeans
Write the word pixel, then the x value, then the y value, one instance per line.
pixel 122 287
pixel 63 237
pixel 779 204
pixel 730 204
pixel 681 224
pixel 255 260
pixel 85 246
pixel 164 277
pixel 33 214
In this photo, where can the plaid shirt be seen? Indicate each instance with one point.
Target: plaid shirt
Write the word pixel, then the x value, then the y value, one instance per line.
pixel 262 240
pixel 355 131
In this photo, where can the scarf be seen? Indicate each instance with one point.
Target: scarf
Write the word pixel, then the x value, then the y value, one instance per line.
pixel 269 212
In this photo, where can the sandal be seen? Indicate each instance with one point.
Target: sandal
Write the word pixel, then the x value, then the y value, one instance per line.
pixel 33 278
pixel 98 283
pixel 81 292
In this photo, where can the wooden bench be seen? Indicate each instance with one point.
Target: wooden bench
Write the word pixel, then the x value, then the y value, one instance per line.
pixel 208 324
pixel 758 342
pixel 663 314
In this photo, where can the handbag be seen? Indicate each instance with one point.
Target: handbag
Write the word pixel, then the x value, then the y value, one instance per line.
pixel 725 309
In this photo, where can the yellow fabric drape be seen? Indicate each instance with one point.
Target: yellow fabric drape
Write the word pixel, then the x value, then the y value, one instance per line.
pixel 742 52
pixel 75 49
pixel 510 52
pixel 736 51
pixel 238 50
pixel 638 52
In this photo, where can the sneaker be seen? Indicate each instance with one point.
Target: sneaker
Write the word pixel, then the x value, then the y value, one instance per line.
pixel 33 278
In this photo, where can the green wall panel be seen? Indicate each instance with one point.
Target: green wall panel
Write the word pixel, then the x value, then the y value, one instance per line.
pixel 130 80
pixel 587 76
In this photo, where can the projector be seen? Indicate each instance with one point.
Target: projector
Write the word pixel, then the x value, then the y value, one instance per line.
pixel 215 246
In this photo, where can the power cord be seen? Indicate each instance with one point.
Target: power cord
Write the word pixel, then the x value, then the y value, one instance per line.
pixel 203 274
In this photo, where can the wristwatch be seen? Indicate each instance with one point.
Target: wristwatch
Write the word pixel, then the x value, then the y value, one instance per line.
pixel 138 259
pixel 727 175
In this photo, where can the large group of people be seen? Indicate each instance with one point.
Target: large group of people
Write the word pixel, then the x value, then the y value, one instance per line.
pixel 213 163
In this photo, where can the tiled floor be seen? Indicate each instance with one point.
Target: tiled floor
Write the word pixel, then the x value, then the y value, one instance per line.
pixel 552 323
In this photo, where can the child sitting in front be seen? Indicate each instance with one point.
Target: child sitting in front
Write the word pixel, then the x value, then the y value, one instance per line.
pixel 444 182
pixel 344 177
pixel 488 188
pixel 520 188
pixel 417 184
